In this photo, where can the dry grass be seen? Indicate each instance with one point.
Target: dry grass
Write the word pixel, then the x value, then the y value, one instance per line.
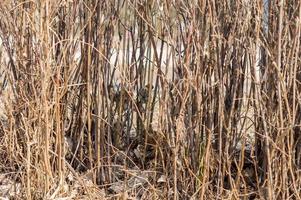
pixel 150 99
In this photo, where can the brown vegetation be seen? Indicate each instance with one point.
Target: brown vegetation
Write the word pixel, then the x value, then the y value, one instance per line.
pixel 150 99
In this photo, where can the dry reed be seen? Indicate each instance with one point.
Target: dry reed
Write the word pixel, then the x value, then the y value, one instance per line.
pixel 150 99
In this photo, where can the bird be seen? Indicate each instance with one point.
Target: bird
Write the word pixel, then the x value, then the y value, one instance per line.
pixel 143 93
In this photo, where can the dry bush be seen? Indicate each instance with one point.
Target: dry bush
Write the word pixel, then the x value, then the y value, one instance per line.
pixel 150 99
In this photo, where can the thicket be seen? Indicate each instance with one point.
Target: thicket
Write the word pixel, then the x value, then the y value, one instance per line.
pixel 151 99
